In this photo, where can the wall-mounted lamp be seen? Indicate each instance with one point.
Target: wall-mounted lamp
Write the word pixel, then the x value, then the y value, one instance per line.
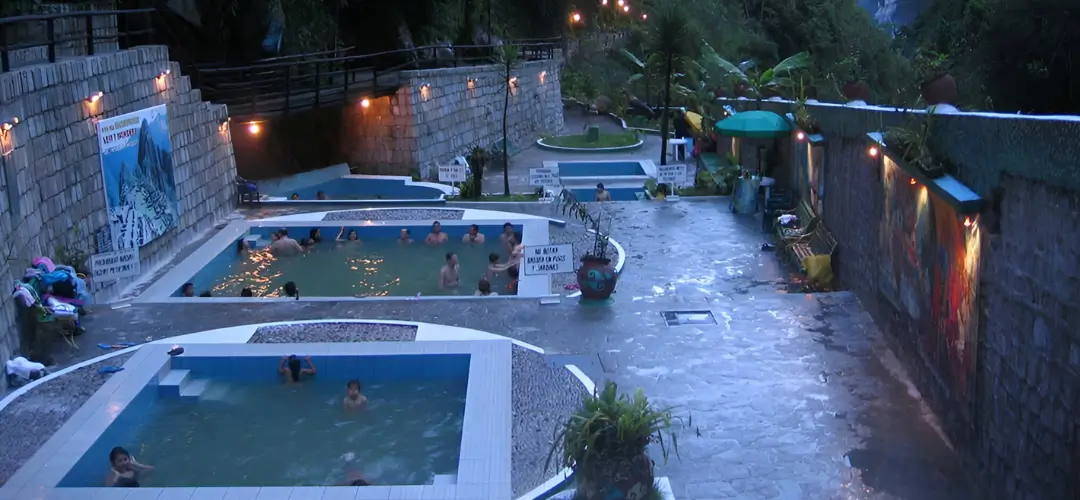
pixel 364 103
pixel 967 222
pixel 800 136
pixel 223 124
pixel 620 3
pixel 626 9
pixel 254 128
pixel 912 181
pixel 644 17
pixel 425 91
pixel 95 97
pixel 873 151
pixel 513 85
pixel 575 18
pixel 603 2
pixel 161 76
pixel 8 125
pixel 543 77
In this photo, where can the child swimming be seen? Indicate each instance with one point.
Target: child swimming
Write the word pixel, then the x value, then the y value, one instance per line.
pixel 353 399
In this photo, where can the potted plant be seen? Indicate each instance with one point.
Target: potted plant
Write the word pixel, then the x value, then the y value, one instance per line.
pixel 935 83
pixel 596 278
pixel 911 143
pixel 803 120
pixel 605 443
pixel 726 176
pixel 849 74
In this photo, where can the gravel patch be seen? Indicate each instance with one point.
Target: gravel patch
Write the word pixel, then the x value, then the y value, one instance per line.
pixel 31 419
pixel 394 214
pixel 333 332
pixel 544 396
pixel 583 243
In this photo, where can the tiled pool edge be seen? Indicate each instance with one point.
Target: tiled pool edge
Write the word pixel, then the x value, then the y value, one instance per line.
pixel 484 460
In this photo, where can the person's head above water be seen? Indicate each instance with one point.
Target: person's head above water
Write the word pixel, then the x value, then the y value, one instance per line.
pixel 359 482
pixel 291 290
pixel 600 186
pixel 119 458
pixel 295 196
pixel 294 367
pixel 205 293
pixel 493 258
pixel 354 388
pixel 241 245
pixel 188 290
pixel 474 230
pixel 484 286
pixel 436 227
pixel 246 292
pixel 404 234
pixel 451 258
pixel 513 272
pixel 353 236
pixel 320 195
pixel 508 228
pixel 314 235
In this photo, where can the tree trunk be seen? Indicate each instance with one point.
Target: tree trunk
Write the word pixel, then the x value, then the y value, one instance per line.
pixel 506 148
pixel 664 114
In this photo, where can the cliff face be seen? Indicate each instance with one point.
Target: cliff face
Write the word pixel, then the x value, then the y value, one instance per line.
pixel 897 12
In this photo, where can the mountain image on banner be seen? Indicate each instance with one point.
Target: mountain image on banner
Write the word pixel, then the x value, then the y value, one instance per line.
pixel 146 204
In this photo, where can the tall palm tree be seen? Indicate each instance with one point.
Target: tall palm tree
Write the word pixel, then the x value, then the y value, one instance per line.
pixel 668 37
pixel 508 57
pixel 777 78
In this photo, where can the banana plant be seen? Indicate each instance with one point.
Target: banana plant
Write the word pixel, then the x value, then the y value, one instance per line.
pixel 776 79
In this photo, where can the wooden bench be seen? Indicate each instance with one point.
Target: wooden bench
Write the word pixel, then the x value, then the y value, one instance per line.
pixel 807 222
pixel 819 242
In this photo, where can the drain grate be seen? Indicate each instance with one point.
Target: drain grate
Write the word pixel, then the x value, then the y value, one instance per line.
pixel 680 318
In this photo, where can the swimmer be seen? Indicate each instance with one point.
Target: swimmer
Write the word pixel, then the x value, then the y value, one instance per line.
pixel 284 245
pixel 188 290
pixel 353 399
pixel 449 276
pixel 291 290
pixel 291 368
pixel 513 284
pixel 124 472
pixel 494 268
pixel 602 194
pixel 405 238
pixel 473 236
pixel 314 236
pixel 351 236
pixel 246 292
pixel 483 288
pixel 242 246
pixel 295 196
pixel 321 196
pixel 508 232
pixel 436 236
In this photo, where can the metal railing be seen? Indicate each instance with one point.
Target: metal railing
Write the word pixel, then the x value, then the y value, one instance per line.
pixel 70 34
pixel 272 87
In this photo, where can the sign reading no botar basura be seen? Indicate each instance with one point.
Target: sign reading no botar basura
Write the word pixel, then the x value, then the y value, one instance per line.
pixel 549 259
pixel 111 266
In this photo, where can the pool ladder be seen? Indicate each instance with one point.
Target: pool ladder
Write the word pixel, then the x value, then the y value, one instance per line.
pixel 181 384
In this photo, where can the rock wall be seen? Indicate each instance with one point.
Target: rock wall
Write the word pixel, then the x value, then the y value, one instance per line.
pixel 441 113
pixel 52 191
pixel 999 358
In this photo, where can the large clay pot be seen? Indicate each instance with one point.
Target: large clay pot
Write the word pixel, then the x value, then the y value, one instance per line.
pixel 629 479
pixel 596 278
pixel 857 91
pixel 939 90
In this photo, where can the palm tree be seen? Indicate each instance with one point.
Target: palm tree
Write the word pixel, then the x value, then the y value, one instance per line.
pixel 777 78
pixel 508 57
pixel 667 37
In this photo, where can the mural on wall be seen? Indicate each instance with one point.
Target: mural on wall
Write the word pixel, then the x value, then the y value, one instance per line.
pixel 137 168
pixel 816 162
pixel 930 272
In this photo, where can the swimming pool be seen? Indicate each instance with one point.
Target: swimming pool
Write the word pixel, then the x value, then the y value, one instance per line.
pixel 377 266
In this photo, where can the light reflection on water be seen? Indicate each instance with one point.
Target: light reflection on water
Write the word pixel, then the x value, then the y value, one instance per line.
pixel 349 269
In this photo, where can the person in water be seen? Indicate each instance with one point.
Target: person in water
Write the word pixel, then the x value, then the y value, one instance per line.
pixel 405 238
pixel 449 276
pixel 284 245
pixel 295 196
pixel 125 470
pixel 504 238
pixel 314 236
pixel 188 290
pixel 242 246
pixel 602 194
pixel 206 293
pixel 352 236
pixel 291 290
pixel 473 236
pixel 246 292
pixel 292 369
pixel 436 236
pixel 494 268
pixel 353 399
pixel 483 288
pixel 513 284
pixel 321 196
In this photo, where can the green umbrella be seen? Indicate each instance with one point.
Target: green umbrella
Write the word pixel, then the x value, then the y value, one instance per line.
pixel 754 125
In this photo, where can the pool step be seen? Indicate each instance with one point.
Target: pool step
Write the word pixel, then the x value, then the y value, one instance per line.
pixel 173 383
pixel 254 241
pixel 444 479
pixel 194 389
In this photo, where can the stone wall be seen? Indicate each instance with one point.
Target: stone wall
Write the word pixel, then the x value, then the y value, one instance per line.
pixel 439 114
pixel 52 191
pixel 1006 386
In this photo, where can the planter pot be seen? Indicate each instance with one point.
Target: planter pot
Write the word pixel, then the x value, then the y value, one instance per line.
pixel 857 91
pixel 596 278
pixel 624 479
pixel 940 90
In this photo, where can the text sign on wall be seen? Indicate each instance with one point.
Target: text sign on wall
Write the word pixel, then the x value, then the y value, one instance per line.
pixel 549 259
pixel 671 174
pixel 111 266
pixel 452 173
pixel 544 177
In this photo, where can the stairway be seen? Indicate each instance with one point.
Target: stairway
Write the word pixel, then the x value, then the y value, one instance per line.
pixel 182 384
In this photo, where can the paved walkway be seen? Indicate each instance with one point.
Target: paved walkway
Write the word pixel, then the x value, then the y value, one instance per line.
pixel 792 396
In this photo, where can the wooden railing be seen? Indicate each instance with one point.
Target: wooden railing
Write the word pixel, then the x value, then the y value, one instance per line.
pixel 70 34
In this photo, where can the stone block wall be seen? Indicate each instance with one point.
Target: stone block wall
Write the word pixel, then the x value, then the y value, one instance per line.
pixel 52 191
pixel 439 114
pixel 1015 419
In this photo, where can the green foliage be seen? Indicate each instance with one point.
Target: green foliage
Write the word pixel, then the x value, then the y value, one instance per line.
pixel 912 142
pixel 776 80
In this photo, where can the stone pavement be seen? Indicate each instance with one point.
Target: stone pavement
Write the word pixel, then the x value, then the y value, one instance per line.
pixel 789 396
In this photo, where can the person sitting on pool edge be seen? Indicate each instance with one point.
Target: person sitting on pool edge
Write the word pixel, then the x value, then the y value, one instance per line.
pixel 353 399
pixel 291 368
pixel 405 238
pixel 449 276
pixel 124 472
pixel 601 193
pixel 473 236
pixel 352 236
pixel 436 236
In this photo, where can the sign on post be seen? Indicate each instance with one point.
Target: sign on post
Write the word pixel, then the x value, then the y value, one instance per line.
pixel 111 266
pixel 544 177
pixel 452 173
pixel 549 259
pixel 671 174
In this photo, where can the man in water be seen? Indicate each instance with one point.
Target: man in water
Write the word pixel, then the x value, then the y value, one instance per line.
pixel 504 238
pixel 353 399
pixel 473 236
pixel 601 193
pixel 188 290
pixel 284 245
pixel 321 196
pixel 449 276
pixel 124 472
pixel 405 238
pixel 291 368
pixel 436 236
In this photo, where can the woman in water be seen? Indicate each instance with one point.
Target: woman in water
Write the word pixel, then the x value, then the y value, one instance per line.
pixel 242 246
pixel 314 236
pixel 352 236
pixel 125 470
pixel 291 368
pixel 516 251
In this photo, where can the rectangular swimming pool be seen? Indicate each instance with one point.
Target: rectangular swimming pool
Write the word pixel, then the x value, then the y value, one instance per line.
pixel 377 265
pixel 600 168
pixel 438 415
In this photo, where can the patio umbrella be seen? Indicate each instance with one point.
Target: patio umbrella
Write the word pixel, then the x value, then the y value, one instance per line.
pixel 754 125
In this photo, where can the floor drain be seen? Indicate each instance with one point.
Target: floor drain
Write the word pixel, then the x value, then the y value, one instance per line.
pixel 679 318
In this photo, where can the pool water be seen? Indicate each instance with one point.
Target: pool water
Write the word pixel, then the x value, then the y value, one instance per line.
pixel 270 434
pixel 373 268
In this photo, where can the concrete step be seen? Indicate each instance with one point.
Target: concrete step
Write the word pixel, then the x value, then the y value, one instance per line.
pixel 444 479
pixel 173 383
pixel 255 241
pixel 194 389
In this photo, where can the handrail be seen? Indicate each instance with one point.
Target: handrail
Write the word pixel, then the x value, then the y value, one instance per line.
pixel 81 13
pixel 51 38
pixel 222 64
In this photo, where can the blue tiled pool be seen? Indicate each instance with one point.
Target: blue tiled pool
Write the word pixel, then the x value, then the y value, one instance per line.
pixel 600 168
pixel 378 265
pixel 366 188
pixel 230 421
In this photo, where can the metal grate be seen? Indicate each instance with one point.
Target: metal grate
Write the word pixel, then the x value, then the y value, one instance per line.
pixel 681 318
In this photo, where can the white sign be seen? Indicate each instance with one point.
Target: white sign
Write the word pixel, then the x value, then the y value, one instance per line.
pixel 452 173
pixel 546 177
pixel 549 259
pixel 111 266
pixel 671 174
pixel 547 199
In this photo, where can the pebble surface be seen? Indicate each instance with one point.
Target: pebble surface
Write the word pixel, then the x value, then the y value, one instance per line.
pixel 30 420
pixel 544 396
pixel 394 214
pixel 333 332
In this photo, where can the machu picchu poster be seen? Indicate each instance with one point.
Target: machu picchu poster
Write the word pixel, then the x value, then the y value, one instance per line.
pixel 137 168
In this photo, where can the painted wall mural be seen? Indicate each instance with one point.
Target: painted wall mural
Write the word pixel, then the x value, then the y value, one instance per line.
pixel 810 173
pixel 930 273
